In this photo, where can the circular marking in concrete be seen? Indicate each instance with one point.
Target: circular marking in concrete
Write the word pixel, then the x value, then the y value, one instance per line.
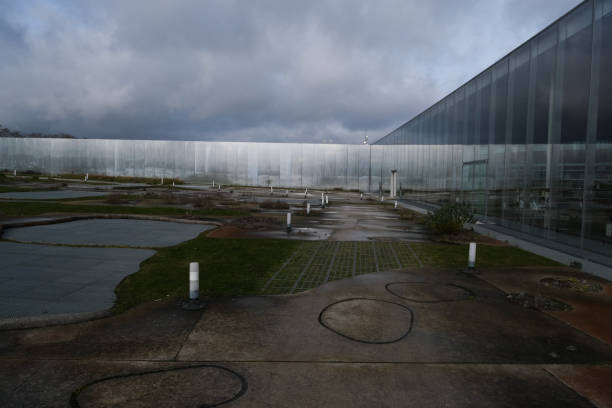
pixel 371 321
pixel 428 292
pixel 199 386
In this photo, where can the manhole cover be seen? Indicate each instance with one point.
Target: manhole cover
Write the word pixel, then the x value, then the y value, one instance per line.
pixel 196 386
pixel 371 321
pixel 537 302
pixel 579 285
pixel 427 292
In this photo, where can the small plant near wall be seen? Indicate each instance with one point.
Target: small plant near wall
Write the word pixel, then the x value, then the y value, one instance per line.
pixel 449 219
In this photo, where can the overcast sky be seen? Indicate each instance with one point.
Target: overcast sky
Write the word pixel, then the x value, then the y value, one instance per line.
pixel 257 70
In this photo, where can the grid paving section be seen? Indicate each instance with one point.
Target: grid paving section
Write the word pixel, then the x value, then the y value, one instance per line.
pixel 316 273
pixel 314 263
pixel 284 280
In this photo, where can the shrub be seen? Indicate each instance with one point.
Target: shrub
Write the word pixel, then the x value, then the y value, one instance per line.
pixel 449 219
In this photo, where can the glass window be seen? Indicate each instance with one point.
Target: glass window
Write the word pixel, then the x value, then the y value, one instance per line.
pixel 501 103
pixel 485 102
pixel 604 115
pixel 470 138
pixel 520 90
pixel 576 75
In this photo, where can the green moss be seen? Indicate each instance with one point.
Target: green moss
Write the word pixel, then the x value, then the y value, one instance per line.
pixel 227 267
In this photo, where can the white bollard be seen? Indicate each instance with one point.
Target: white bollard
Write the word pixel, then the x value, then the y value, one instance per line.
pixel 271 190
pixel 173 184
pixel 322 199
pixel 288 220
pixel 219 185
pixel 472 256
pixel 306 193
pixel 15 173
pixel 361 198
pixel 395 204
pixel 86 176
pixel 162 180
pixel 326 199
pixel 194 281
pixel 308 208
pixel 213 183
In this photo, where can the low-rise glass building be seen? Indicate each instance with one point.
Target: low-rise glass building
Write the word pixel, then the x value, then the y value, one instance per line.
pixel 529 140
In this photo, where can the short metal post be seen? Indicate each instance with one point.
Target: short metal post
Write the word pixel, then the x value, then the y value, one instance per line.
pixel 194 281
pixel 162 180
pixel 361 198
pixel 194 302
pixel 288 221
pixel 322 200
pixel 472 256
pixel 15 173
pixel 326 199
pixel 308 208
pixel 395 204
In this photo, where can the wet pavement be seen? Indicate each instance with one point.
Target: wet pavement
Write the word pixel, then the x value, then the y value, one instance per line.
pixel 115 232
pixel 50 195
pixel 43 280
pixel 417 337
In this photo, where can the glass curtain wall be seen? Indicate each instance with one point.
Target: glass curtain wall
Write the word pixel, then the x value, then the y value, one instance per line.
pixel 528 142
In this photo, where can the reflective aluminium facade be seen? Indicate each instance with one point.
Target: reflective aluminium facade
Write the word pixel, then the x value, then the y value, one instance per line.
pixel 528 141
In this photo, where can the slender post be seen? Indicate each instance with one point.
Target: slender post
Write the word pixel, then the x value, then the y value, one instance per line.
pixel 288 221
pixel 194 281
pixel 308 208
pixel 472 256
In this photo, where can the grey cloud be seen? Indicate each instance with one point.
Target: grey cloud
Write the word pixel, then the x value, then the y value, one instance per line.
pixel 268 70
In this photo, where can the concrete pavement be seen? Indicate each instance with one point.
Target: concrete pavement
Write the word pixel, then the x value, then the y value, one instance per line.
pixel 418 337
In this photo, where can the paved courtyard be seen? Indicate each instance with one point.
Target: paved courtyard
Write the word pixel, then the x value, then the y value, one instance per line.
pixel 416 337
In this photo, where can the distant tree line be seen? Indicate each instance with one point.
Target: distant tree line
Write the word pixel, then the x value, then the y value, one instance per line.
pixel 6 132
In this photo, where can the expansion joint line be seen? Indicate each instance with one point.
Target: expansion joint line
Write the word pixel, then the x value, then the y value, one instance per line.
pixel 399 264
pixel 415 255
pixel 331 263
pixel 283 266
pixel 354 258
pixel 375 256
pixel 314 254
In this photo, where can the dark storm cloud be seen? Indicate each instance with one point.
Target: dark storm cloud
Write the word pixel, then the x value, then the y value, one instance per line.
pixel 266 70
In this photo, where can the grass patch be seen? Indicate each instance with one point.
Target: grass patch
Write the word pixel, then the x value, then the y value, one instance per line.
pixel 274 205
pixel 227 267
pixel 487 256
pixel 29 208
pixel 119 179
